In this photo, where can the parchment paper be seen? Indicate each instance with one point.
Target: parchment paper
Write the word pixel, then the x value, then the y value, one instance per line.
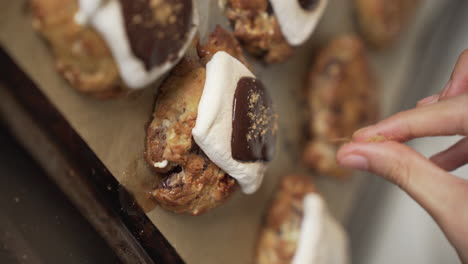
pixel 115 129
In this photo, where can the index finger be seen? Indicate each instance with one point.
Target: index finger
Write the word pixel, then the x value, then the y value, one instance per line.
pixel 444 118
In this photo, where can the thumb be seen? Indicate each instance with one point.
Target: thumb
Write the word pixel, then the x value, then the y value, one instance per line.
pixel 440 193
pixel 432 187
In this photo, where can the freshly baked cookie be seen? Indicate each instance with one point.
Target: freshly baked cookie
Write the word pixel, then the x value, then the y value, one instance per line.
pixel 299 229
pixel 181 152
pixel 190 181
pixel 257 30
pixel 382 21
pixel 272 35
pixel 342 97
pixel 221 40
pixel 82 56
pixel 107 47
pixel 280 232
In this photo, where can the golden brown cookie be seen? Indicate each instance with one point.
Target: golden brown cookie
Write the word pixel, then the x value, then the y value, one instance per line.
pixel 191 183
pixel 258 30
pixel 280 232
pixel 82 56
pixel 221 40
pixel 342 97
pixel 382 21
pixel 114 46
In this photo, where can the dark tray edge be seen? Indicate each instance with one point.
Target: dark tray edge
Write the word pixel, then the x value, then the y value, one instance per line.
pixel 70 162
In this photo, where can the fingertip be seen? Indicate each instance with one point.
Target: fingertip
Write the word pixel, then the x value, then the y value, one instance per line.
pixel 369 155
pixel 348 156
pixel 361 155
pixel 356 154
pixel 354 161
pixel 346 149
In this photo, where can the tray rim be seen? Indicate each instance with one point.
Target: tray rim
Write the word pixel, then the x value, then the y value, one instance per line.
pixel 142 239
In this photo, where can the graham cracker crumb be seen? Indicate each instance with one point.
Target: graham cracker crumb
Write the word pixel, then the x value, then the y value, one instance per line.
pixel 377 139
pixel 260 118
pixel 165 13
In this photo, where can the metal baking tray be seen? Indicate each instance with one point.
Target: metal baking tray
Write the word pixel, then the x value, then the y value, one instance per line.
pixel 97 161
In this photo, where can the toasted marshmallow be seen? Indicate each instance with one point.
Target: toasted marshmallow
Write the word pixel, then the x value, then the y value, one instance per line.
pixel 296 22
pixel 322 239
pixel 214 125
pixel 106 17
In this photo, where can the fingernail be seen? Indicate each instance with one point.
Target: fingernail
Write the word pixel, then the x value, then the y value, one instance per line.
pixel 355 162
pixel 429 100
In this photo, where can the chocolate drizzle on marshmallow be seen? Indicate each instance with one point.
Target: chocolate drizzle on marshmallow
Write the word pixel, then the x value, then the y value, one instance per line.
pixel 253 122
pixel 146 37
pixel 238 139
pixel 308 4
pixel 156 29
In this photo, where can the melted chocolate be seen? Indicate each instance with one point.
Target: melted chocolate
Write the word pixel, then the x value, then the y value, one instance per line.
pixel 253 122
pixel 157 29
pixel 308 4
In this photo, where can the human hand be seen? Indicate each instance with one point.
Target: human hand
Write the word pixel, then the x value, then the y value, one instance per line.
pixel 428 181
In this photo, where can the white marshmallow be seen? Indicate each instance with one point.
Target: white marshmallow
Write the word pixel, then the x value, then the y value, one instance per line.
pixel 161 165
pixel 322 239
pixel 107 19
pixel 213 128
pixel 296 23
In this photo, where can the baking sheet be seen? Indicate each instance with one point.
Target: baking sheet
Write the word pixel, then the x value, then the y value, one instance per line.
pixel 115 129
